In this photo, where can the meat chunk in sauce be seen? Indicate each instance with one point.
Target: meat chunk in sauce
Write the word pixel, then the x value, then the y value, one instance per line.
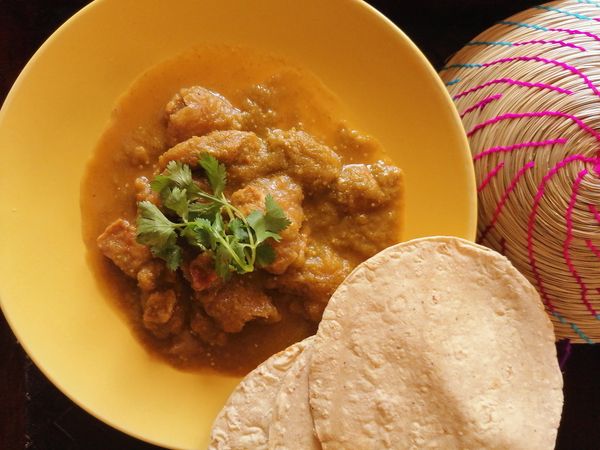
pixel 196 111
pixel 316 280
pixel 119 245
pixel 357 234
pixel 288 196
pixel 205 328
pixel 144 191
pixel 389 179
pixel 153 275
pixel 244 153
pixel 237 302
pixel 200 272
pixel 311 163
pixel 366 186
pixel 162 313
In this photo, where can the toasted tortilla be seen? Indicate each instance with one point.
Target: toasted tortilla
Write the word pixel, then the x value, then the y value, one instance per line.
pixel 244 421
pixel 435 343
pixel 292 423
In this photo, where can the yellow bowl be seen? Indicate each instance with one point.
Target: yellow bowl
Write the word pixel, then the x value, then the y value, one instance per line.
pixel 60 105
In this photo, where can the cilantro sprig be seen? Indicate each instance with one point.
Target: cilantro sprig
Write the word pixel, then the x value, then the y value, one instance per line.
pixel 207 220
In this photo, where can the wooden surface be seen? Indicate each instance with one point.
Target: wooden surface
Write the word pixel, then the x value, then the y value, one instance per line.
pixel 35 415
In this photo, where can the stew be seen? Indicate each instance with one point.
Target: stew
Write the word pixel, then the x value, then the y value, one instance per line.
pixel 275 132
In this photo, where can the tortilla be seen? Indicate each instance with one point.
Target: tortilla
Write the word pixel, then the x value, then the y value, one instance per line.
pixel 292 423
pixel 244 421
pixel 435 343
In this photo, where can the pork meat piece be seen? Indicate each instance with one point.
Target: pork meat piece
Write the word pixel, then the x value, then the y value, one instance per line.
pixel 205 328
pixel 357 234
pixel 118 243
pixel 288 195
pixel 389 179
pixel 237 302
pixel 289 252
pixel 196 111
pixel 311 163
pixel 365 186
pixel 200 272
pixel 244 153
pixel 162 313
pixel 154 275
pixel 315 281
pixel 143 191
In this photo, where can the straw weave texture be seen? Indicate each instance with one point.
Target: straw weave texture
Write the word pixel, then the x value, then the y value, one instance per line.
pixel 528 92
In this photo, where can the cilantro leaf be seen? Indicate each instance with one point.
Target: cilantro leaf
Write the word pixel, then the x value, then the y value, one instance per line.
pixel 160 183
pixel 204 210
pixel 153 227
pixel 218 225
pixel 215 172
pixel 275 218
pixel 175 175
pixel 195 234
pixel 265 254
pixel 205 233
pixel 171 254
pixel 236 226
pixel 268 224
pixel 239 253
pixel 176 200
pixel 222 262
pixel 257 221
pixel 158 233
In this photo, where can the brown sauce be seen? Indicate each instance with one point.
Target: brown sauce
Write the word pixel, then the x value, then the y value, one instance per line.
pixel 136 136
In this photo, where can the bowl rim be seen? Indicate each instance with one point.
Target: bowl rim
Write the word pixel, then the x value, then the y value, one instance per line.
pixel 471 221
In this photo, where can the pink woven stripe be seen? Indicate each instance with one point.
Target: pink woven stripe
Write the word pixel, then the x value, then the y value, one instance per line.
pixel 532 220
pixel 489 176
pixel 554 62
pixel 575 32
pixel 510 188
pixel 510 148
pixel 509 116
pixel 569 239
pixel 513 82
pixel 592 247
pixel 504 198
pixel 481 104
pixel 595 212
pixel 560 43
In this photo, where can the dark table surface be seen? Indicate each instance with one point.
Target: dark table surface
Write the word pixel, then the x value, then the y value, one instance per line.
pixel 35 415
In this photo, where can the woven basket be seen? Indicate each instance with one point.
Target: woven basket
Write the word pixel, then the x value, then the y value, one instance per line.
pixel 528 92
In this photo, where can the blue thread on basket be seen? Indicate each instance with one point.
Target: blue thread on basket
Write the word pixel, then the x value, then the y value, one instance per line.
pixel 575 328
pixel 459 66
pixel 562 11
pixel 451 82
pixel 523 25
pixel 589 2
pixel 553 62
pixel 509 44
pixel 541 28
